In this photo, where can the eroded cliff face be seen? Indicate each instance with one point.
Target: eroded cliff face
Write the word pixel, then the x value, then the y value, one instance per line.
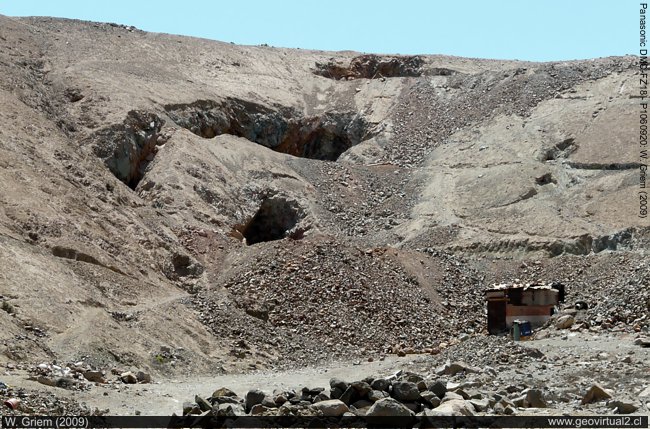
pixel 201 187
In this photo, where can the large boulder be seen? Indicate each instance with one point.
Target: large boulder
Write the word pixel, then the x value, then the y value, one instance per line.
pixel 389 407
pixel 331 407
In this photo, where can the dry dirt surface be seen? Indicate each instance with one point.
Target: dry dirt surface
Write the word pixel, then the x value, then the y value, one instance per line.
pixel 201 214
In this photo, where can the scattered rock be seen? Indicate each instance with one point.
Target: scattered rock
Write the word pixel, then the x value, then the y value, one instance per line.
pixel 376 395
pixel 453 407
pixel 95 376
pixel 564 322
pixel 626 406
pixel 128 377
pixel 202 403
pixel 405 391
pixel 439 388
pixel 596 393
pixel 389 407
pixel 143 377
pixel 253 397
pixel 534 399
pixel 331 408
pixel 380 384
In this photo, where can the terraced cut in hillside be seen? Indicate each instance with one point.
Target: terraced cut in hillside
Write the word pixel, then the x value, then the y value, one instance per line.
pixel 283 130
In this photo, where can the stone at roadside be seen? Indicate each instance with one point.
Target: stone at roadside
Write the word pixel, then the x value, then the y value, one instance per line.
pixel 268 402
pixel 331 408
pixel 361 387
pixel 480 405
pixel 257 409
pixel 454 407
pixel 439 388
pixel 430 398
pixel 376 395
pixel 623 406
pixel 229 410
pixel 280 399
pixel 349 396
pixel 462 393
pixel 645 394
pixel 388 407
pixel 643 342
pixel 362 405
pixel 253 397
pixel 564 322
pixel 226 400
pixel 94 376
pixel 190 408
pixel 595 393
pixel 405 391
pixel 380 384
pixel 452 396
pixel 143 377
pixel 322 396
pixel 337 383
pixel 202 403
pixel 224 391
pixel 335 393
pixel 456 367
pixel 534 399
pixel 128 377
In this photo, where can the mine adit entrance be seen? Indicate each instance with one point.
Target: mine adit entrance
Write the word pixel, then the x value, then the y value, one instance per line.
pixel 282 129
pixel 276 219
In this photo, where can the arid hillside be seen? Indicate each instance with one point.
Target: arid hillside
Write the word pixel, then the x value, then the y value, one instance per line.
pixel 185 206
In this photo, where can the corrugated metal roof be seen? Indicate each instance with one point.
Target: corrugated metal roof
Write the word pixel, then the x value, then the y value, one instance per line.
pixel 504 286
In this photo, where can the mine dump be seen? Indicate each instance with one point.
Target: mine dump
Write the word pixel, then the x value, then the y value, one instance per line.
pixel 218 232
pixel 282 129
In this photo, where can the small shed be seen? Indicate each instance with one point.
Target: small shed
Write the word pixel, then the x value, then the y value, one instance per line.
pixel 530 302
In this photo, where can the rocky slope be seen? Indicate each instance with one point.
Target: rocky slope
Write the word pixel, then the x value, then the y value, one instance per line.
pixel 186 206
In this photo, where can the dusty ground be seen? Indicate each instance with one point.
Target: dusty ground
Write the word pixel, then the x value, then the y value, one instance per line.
pixel 569 364
pixel 195 209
